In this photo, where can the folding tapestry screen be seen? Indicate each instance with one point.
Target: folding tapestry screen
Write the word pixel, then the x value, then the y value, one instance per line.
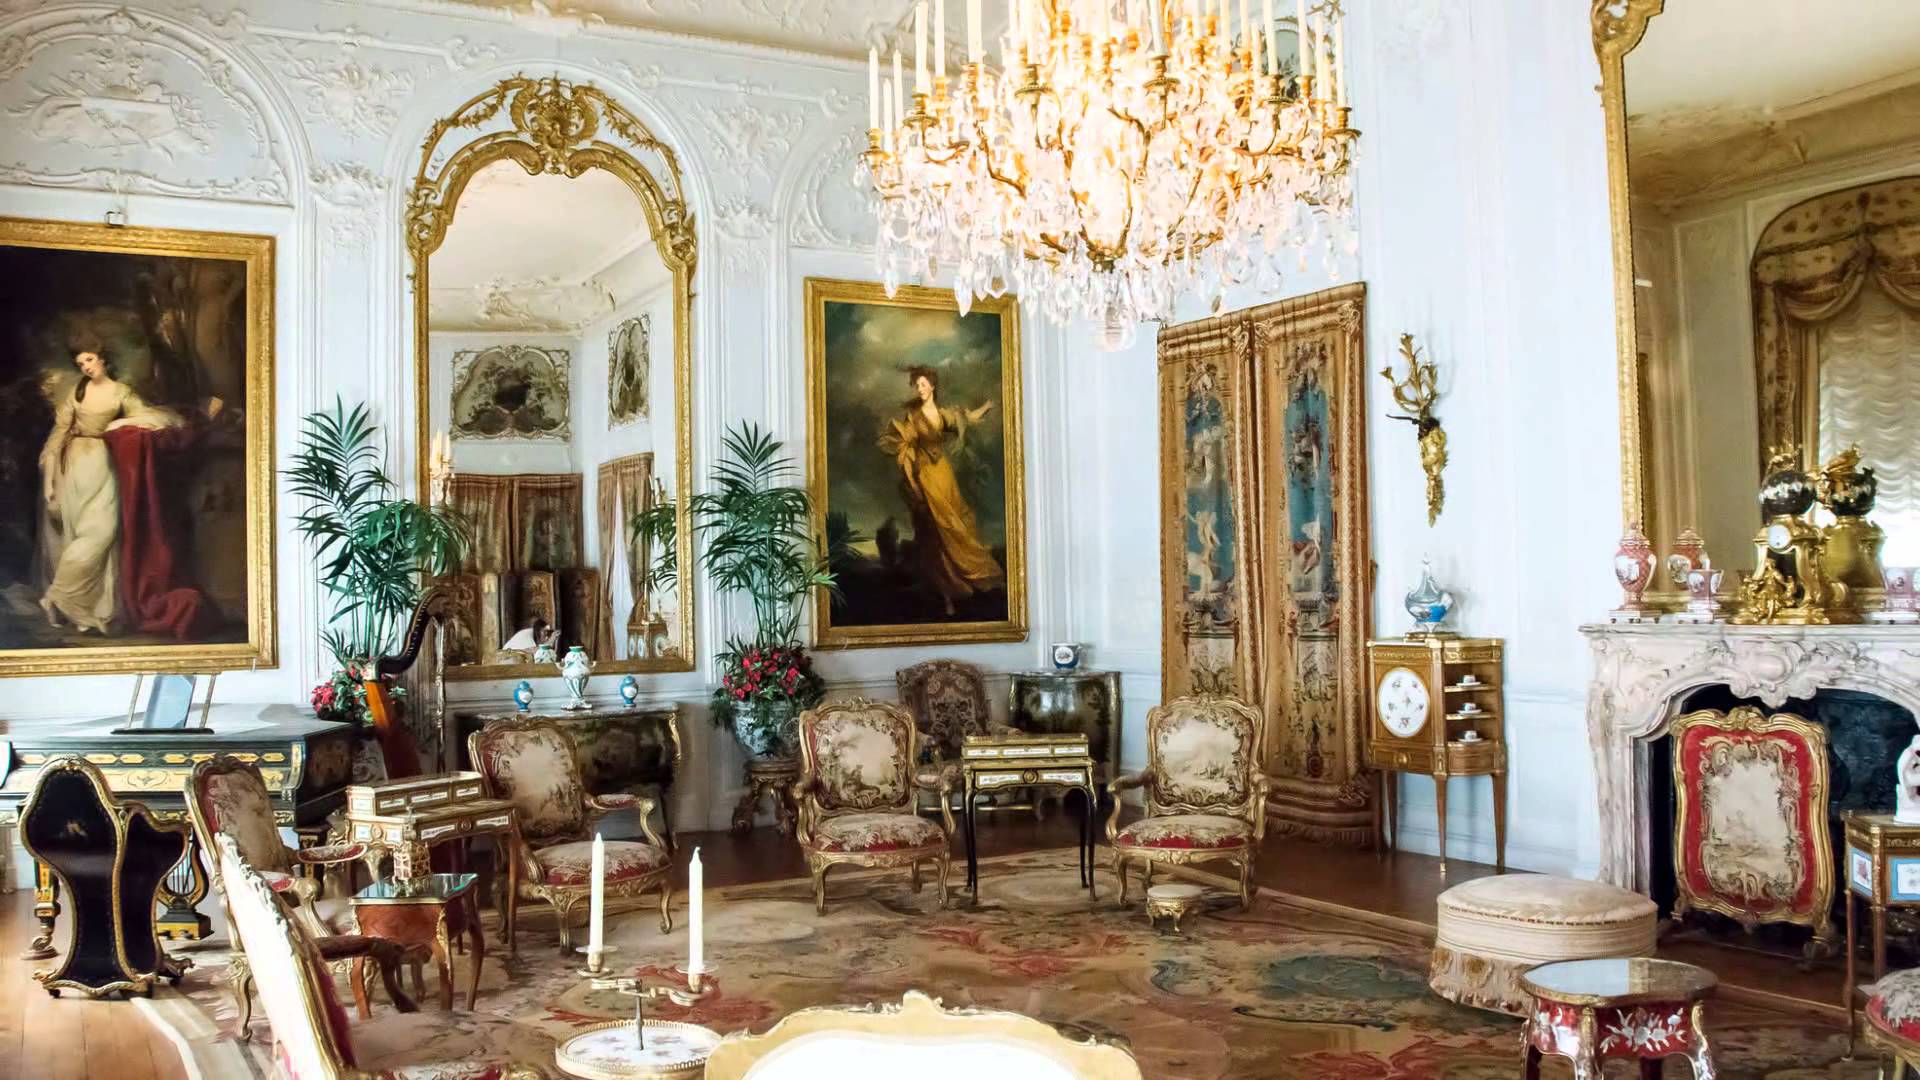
pixel 1265 575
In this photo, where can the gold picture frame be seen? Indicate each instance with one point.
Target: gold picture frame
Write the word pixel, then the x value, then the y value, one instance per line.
pixel 564 128
pixel 252 422
pixel 849 633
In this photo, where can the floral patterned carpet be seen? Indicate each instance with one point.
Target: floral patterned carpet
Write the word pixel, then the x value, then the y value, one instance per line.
pixel 1281 991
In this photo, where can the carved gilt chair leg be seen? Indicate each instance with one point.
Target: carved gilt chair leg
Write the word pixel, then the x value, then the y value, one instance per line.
pixel 1120 871
pixel 240 980
pixel 913 878
pixel 1146 876
pixel 666 907
pixel 1246 884
pixel 820 889
pixel 563 917
pixel 945 864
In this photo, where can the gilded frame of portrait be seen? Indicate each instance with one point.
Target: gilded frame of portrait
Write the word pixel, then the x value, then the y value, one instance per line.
pixel 819 293
pixel 259 650
pixel 552 125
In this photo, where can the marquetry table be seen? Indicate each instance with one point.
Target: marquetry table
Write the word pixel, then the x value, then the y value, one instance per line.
pixel 1624 1007
pixel 425 911
pixel 1883 870
pixel 403 819
pixel 991 762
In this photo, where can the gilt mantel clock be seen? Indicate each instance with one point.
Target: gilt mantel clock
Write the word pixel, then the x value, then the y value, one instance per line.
pixel 1437 709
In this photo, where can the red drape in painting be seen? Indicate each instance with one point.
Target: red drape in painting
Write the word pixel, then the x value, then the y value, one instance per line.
pixel 154 595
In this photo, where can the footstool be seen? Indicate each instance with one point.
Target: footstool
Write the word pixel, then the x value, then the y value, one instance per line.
pixel 1493 929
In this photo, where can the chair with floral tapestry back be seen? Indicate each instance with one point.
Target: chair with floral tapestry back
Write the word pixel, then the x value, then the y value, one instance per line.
pixel 312 1040
pixel 856 794
pixel 228 797
pixel 548 855
pixel 948 700
pixel 1206 796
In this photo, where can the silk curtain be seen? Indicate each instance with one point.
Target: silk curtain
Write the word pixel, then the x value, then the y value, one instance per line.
pixel 1809 266
pixel 621 492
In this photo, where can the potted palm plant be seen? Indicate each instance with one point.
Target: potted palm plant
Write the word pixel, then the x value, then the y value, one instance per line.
pixel 372 547
pixel 755 527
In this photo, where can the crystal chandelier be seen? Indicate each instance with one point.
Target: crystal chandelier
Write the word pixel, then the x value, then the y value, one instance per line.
pixel 1126 153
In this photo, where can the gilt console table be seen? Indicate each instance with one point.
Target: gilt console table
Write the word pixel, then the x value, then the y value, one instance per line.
pixel 630 749
pixel 305 761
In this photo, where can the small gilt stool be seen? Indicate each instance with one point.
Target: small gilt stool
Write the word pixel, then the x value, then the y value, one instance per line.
pixel 1173 901
pixel 1492 930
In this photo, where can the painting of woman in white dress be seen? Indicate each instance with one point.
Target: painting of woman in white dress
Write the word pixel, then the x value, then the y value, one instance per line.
pixel 135 482
pixel 919 495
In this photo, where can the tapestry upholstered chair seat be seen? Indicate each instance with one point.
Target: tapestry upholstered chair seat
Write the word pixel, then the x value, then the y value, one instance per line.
pixel 1206 797
pixel 1893 1019
pixel 311 1036
pixel 857 790
pixel 228 797
pixel 549 854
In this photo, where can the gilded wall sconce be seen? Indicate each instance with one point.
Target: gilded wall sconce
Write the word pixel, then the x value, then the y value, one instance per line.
pixel 1416 394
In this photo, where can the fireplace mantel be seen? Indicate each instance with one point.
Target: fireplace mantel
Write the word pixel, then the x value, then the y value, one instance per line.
pixel 1641 672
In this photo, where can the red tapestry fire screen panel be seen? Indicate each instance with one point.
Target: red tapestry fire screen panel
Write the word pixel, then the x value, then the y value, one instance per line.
pixel 1750 822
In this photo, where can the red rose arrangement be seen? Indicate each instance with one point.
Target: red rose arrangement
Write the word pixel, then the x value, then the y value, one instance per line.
pixel 753 676
pixel 342 698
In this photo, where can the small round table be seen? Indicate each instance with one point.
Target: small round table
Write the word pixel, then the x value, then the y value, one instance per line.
pixel 425 911
pixel 1624 1007
pixel 672 1051
pixel 772 777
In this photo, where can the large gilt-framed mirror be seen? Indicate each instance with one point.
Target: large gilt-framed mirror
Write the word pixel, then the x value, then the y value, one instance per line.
pixel 1764 182
pixel 552 256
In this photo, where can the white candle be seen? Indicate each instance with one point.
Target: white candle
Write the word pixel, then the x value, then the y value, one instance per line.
pixel 1272 43
pixel 887 119
pixel 873 87
pixel 976 47
pixel 696 911
pixel 919 48
pixel 1014 37
pixel 899 88
pixel 940 38
pixel 1157 12
pixel 597 898
pixel 1106 19
pixel 1320 59
pixel 1300 35
pixel 1246 26
pixel 1340 58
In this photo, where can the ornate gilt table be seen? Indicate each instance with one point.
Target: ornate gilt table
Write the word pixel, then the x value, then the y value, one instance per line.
pixel 403 819
pixel 1883 869
pixel 991 762
pixel 1625 1007
pixel 426 911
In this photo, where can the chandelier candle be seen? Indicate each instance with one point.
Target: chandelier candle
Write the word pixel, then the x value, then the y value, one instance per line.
pixel 1122 155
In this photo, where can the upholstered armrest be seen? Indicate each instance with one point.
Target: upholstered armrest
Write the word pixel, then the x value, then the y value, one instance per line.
pixel 942 779
pixel 328 854
pixel 1118 784
pixel 617 800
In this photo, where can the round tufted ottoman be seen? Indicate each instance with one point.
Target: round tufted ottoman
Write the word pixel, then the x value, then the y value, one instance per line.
pixel 1492 930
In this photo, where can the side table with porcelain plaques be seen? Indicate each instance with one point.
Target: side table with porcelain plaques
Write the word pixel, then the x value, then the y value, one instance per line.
pixel 1437 710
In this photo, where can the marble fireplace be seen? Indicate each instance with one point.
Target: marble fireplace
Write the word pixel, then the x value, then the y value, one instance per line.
pixel 1644 673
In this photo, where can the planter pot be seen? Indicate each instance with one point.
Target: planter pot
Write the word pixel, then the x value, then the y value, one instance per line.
pixel 767 729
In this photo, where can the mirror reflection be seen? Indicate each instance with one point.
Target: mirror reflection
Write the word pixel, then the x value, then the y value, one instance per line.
pixel 1774 185
pixel 551 378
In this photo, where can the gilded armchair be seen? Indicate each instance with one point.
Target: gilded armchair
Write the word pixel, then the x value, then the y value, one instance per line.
pixel 1206 797
pixel 312 1040
pixel 948 700
pixel 856 794
pixel 532 764
pixel 228 797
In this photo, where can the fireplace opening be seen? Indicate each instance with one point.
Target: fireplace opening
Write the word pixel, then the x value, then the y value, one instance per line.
pixel 1866 734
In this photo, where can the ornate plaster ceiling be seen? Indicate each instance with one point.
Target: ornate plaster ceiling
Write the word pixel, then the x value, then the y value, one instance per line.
pixel 843 28
pixel 541 252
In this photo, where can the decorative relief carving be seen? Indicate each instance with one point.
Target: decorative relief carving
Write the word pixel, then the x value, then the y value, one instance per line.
pixel 743 219
pixel 750 139
pixel 352 194
pixel 335 86
pixel 831 210
pixel 123 102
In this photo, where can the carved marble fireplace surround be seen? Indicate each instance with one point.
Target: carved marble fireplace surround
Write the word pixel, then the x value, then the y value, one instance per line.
pixel 1641 674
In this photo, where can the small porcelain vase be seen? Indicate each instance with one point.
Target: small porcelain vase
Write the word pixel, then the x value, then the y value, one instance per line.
pixel 1906 785
pixel 575 669
pixel 523 695
pixel 1633 569
pixel 1689 553
pixel 1429 604
pixel 629 690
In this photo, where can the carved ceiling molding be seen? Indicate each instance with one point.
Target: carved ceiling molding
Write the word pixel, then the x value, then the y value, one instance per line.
pixel 533 305
pixel 843 28
pixel 1640 673
pixel 112 100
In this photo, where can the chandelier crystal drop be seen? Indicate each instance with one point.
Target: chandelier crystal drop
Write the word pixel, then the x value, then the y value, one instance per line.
pixel 1124 154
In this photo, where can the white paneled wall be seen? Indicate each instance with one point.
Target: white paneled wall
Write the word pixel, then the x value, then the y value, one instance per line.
pixel 1481 190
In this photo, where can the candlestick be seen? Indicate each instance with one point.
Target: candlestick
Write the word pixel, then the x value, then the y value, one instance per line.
pixel 919 48
pixel 696 911
pixel 597 898
pixel 873 87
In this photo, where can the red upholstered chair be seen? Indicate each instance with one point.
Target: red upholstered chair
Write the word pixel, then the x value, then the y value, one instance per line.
pixel 311 1036
pixel 229 797
pixel 1206 796
pixel 1728 857
pixel 1893 1019
pixel 856 794
pixel 549 855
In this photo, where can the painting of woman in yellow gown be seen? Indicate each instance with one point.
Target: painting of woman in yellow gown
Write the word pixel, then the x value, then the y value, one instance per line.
pixel 946 543
pixel 920 500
